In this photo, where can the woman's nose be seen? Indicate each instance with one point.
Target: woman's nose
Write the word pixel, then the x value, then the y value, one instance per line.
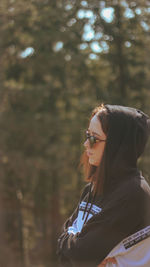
pixel 86 143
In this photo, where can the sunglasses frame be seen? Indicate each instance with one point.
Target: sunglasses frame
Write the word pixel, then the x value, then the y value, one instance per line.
pixel 93 139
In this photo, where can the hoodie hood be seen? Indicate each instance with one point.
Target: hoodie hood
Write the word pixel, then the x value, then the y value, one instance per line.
pixel 128 133
pixel 123 207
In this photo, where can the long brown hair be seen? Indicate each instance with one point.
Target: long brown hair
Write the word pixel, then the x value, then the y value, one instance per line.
pixel 96 174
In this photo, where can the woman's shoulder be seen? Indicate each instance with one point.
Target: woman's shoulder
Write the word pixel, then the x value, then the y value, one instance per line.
pixel 137 189
pixel 139 185
pixel 133 189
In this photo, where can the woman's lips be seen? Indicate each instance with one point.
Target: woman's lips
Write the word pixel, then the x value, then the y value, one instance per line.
pixel 89 153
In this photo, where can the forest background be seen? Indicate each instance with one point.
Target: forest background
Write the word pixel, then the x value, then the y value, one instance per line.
pixel 58 60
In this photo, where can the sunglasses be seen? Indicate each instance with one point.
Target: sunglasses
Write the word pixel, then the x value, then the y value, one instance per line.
pixel 93 139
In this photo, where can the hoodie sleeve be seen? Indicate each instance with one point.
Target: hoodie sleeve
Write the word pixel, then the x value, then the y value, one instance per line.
pixel 119 218
pixel 62 258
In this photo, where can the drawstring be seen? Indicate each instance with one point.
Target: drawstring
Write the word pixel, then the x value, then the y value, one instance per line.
pixel 92 200
pixel 87 201
pixel 90 208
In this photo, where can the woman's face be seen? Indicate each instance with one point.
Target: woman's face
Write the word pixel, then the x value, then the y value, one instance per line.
pixel 96 151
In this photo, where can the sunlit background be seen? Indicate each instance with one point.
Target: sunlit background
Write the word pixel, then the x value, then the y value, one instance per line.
pixel 59 59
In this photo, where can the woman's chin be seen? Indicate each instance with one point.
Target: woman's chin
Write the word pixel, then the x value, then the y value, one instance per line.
pixel 92 162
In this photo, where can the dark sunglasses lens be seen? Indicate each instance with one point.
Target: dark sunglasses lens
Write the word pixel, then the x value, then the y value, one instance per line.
pixel 92 140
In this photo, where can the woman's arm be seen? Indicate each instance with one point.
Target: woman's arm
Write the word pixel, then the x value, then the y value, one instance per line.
pixel 119 218
pixel 92 245
pixel 65 227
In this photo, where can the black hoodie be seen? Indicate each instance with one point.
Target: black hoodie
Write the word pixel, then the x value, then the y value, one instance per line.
pixel 124 207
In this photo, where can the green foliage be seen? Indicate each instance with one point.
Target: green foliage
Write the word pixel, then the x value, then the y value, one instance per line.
pixel 49 85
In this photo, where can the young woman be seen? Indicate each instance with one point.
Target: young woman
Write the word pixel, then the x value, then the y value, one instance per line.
pixel 111 224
